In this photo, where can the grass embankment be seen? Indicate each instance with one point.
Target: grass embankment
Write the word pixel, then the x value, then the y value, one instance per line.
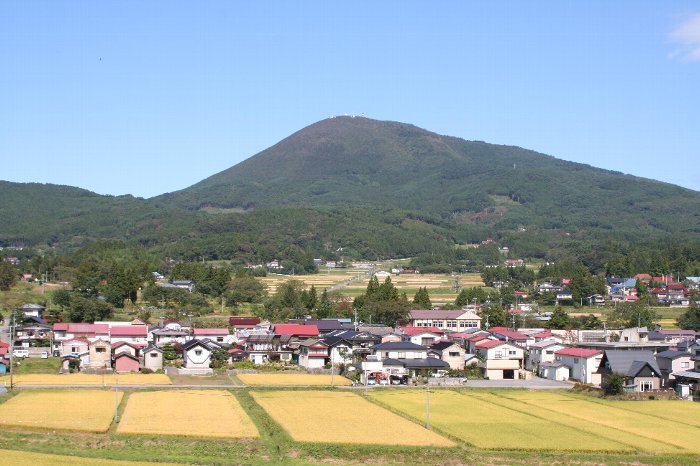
pixel 37 366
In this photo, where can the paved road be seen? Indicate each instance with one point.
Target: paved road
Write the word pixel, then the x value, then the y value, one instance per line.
pixel 534 383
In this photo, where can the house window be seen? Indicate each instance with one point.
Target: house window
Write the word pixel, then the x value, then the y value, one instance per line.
pixel 402 355
pixel 499 354
pixel 549 352
pixel 511 352
pixel 685 365
pixel 100 350
pixel 451 324
pixel 646 386
pixel 73 349
pixel 575 360
pixel 220 339
pixel 198 352
pixel 426 341
pixel 454 354
pixel 154 355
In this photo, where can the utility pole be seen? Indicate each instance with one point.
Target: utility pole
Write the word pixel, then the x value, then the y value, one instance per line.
pixel 12 346
pixel 116 400
pixel 427 405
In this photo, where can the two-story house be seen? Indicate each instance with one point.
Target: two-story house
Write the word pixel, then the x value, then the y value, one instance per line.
pixel 500 359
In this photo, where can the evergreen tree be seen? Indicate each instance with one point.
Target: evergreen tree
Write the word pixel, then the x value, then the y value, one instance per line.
pixel 690 320
pixel 421 300
pixel 560 319
pixel 8 275
pixel 325 307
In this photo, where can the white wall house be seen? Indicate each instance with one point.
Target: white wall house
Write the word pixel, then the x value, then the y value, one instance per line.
pixel 541 352
pixel 501 360
pixel 196 357
pixel 582 364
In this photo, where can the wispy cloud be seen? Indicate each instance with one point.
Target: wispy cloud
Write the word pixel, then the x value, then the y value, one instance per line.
pixel 687 37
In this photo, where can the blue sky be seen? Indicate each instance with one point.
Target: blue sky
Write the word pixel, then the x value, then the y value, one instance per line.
pixel 150 97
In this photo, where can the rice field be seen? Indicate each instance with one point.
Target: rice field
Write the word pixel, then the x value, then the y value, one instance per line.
pixel 192 413
pixel 25 458
pixel 534 420
pixel 490 426
pixel 324 279
pixel 654 434
pixel 293 380
pixel 441 287
pixel 109 380
pixel 346 418
pixel 82 411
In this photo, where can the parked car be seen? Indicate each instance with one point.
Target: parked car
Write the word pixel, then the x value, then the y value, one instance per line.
pixel 20 353
pixel 44 355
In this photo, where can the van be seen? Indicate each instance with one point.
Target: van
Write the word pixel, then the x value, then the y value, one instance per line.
pixel 44 355
pixel 20 353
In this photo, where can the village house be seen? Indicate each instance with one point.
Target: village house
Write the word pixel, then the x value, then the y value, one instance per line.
pixel 639 368
pixel 501 359
pixel 541 352
pixel 196 358
pixel 673 361
pixel 422 336
pixel 454 321
pixel 404 359
pixel 134 334
pixel 153 358
pixel 580 363
pixel 449 352
pixel 125 362
pixel 313 353
pixel 348 346
pixel 33 310
pixel 74 349
pixel 169 335
pixel 296 330
pixel 100 354
pixel 219 335
pixel 506 334
pixel 126 347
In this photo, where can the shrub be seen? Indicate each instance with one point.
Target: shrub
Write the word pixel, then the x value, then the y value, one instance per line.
pixel 615 385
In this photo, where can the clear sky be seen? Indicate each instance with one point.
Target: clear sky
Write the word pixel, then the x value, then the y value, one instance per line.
pixel 134 97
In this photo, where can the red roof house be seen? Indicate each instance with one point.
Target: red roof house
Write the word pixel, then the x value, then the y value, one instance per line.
pixel 297 330
pixel 578 352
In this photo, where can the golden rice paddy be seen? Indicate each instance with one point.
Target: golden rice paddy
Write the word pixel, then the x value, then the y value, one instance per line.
pixel 346 418
pixel 109 380
pixel 25 458
pixel 536 420
pixel 194 413
pixel 293 380
pixel 83 411
pixel 490 426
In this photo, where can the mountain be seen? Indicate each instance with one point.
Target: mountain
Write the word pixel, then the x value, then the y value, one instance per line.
pixel 371 189
pixel 348 161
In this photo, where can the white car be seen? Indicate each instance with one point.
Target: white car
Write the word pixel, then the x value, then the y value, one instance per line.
pixel 20 353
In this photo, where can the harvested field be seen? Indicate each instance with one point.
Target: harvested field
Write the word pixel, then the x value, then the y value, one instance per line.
pixel 292 380
pixel 87 379
pixel 82 411
pixel 348 418
pixel 196 413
